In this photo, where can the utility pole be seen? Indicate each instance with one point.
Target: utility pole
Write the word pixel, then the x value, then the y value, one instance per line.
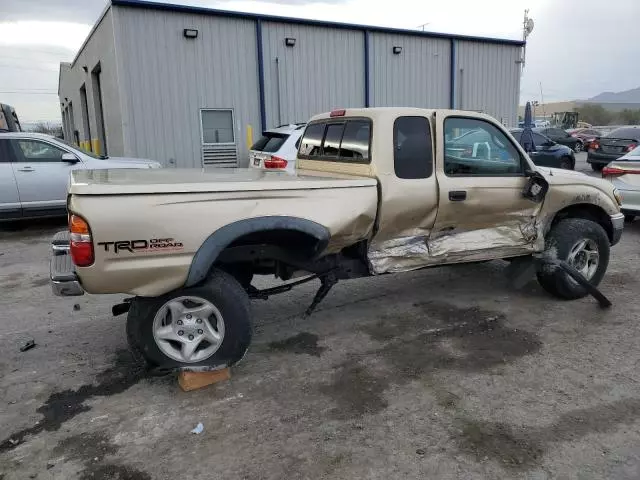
pixel 421 27
pixel 544 113
pixel 527 28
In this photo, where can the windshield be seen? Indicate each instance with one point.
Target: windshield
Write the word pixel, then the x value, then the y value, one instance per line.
pixel 634 153
pixel 625 133
pixel 270 142
pixel 75 148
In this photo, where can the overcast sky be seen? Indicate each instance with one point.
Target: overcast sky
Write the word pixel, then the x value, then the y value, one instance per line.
pixel 579 48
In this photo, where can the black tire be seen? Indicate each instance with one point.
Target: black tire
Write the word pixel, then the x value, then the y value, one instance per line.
pixel 560 239
pixel 629 218
pixel 566 163
pixel 597 167
pixel 578 147
pixel 223 291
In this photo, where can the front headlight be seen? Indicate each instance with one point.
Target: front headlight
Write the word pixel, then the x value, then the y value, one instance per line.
pixel 618 196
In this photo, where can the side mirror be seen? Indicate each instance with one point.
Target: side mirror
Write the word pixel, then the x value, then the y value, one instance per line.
pixel 536 188
pixel 69 158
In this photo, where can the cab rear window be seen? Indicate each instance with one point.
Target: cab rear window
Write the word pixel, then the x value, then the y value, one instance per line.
pixel 270 142
pixel 345 140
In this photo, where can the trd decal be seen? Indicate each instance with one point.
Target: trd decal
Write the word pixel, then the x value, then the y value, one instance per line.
pixel 135 246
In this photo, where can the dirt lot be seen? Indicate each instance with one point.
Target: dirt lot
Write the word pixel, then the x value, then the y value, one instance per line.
pixel 530 387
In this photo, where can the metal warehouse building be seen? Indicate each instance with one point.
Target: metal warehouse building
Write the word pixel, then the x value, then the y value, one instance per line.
pixel 192 86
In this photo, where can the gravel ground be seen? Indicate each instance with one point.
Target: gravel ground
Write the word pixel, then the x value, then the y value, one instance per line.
pixel 367 387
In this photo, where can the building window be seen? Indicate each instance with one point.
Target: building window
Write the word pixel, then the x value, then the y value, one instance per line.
pixel 217 126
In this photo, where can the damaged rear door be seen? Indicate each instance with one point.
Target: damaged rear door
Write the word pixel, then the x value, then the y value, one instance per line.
pixel 482 213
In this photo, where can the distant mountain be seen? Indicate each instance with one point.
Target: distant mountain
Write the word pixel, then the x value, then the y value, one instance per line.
pixel 628 96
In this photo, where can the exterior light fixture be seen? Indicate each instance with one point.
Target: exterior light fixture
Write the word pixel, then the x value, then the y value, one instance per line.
pixel 397 50
pixel 190 33
pixel 290 42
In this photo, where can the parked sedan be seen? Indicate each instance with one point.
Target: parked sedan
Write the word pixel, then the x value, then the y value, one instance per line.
pixel 586 135
pixel 34 173
pixel 548 153
pixel 562 137
pixel 277 148
pixel 612 146
pixel 624 173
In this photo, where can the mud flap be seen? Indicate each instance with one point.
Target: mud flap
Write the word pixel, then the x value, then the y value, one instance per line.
pixel 520 271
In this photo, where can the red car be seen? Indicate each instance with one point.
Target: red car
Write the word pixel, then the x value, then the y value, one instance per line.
pixel 586 136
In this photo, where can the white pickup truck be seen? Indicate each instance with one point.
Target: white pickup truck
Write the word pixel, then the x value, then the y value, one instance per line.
pixel 377 191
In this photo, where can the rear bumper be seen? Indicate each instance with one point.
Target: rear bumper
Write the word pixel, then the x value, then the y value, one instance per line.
pixel 64 281
pixel 601 158
pixel 617 221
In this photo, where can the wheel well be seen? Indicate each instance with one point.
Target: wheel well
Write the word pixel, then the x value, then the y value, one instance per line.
pixel 587 211
pixel 299 243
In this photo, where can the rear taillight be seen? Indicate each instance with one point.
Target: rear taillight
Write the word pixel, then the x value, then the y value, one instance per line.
pixel 616 171
pixel 275 162
pixel 595 145
pixel 81 245
pixel 574 135
pixel 338 113
pixel 630 147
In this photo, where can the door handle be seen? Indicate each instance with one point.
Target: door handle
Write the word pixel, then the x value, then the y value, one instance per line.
pixel 26 169
pixel 457 195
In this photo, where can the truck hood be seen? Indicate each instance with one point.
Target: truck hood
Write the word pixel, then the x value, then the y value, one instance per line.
pixel 561 177
pixel 170 180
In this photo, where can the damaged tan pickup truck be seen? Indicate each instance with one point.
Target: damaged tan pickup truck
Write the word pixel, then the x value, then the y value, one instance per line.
pixel 377 191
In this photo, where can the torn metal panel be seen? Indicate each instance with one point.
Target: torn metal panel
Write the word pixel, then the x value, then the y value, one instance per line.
pixel 412 253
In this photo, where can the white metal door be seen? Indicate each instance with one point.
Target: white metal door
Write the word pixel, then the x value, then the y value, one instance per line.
pixel 217 131
pixel 41 175
pixel 9 198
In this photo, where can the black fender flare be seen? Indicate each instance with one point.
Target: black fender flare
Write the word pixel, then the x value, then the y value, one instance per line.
pixel 211 248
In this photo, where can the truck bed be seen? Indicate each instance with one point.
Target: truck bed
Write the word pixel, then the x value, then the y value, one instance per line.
pixel 133 181
pixel 179 209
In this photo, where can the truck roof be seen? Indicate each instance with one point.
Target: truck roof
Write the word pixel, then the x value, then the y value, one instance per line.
pixel 379 112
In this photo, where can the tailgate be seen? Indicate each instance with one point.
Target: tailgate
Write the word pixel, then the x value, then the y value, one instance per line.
pixel 616 145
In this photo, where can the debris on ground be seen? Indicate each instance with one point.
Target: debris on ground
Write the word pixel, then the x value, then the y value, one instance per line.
pixel 199 429
pixel 76 307
pixel 29 344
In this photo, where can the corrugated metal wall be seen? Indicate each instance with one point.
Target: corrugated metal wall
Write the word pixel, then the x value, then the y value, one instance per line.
pixel 99 49
pixel 167 79
pixel 488 79
pixel 417 77
pixel 324 70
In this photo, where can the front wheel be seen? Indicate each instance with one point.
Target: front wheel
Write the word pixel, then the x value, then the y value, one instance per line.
pixel 566 163
pixel 584 245
pixel 204 326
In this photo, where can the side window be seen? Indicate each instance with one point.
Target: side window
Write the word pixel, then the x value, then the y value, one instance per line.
pixel 332 139
pixel 37 151
pixel 355 141
pixel 312 139
pixel 6 155
pixel 539 139
pixel 412 148
pixel 478 147
pixel 345 141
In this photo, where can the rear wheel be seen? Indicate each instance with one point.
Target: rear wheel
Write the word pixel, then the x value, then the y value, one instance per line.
pixel 584 245
pixel 597 167
pixel 629 218
pixel 579 147
pixel 208 325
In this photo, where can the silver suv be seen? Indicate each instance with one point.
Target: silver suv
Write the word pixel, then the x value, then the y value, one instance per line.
pixel 34 173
